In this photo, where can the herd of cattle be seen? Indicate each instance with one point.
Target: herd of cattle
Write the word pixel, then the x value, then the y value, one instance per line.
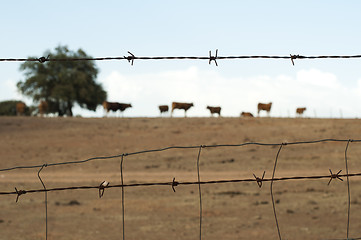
pixel 115 106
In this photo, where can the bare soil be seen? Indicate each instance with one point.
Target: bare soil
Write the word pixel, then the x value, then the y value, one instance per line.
pixel 306 209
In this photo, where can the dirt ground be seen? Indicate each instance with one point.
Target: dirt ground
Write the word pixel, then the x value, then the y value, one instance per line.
pixel 306 209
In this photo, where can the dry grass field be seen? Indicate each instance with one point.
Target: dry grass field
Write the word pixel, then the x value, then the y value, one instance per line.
pixel 306 209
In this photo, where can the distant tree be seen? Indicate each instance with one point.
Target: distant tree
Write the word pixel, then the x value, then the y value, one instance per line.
pixel 8 108
pixel 63 83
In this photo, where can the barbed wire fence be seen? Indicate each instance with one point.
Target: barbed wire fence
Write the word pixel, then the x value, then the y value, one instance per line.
pixel 173 184
pixel 211 58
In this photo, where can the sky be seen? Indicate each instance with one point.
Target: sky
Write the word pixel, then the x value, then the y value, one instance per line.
pixel 326 87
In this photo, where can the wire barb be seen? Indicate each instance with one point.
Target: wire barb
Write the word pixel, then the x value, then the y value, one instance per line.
pixel 19 192
pixel 130 58
pixel 43 59
pixel 294 57
pixel 213 58
pixel 102 186
pixel 259 180
pixel 174 184
pixel 335 175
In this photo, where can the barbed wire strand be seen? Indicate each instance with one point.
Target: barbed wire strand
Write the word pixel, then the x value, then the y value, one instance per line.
pixel 176 147
pixel 122 184
pixel 131 57
pixel 200 195
pixel 348 192
pixel 271 187
pixel 151 184
pixel 46 202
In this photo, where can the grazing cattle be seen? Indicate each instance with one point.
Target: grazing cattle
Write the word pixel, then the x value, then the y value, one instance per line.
pixel 163 108
pixel 20 108
pixel 246 114
pixel 214 110
pixel 43 108
pixel 115 106
pixel 264 106
pixel 184 106
pixel 299 111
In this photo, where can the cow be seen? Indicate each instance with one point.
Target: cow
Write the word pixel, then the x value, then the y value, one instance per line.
pixel 43 108
pixel 299 111
pixel 184 106
pixel 215 110
pixel 115 106
pixel 264 106
pixel 20 108
pixel 163 108
pixel 246 114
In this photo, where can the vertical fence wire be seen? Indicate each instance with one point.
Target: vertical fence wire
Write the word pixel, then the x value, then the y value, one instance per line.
pixel 46 202
pixel 200 195
pixel 348 192
pixel 272 197
pixel 122 183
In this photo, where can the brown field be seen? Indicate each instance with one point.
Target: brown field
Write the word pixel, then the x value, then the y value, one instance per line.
pixel 306 209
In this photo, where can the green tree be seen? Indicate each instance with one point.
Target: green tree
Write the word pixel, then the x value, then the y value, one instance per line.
pixel 63 83
pixel 8 108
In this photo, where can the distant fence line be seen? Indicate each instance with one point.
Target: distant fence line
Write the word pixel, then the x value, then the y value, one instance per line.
pixel 336 175
pixel 131 57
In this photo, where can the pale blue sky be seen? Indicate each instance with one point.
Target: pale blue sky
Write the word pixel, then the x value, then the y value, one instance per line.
pixel 329 87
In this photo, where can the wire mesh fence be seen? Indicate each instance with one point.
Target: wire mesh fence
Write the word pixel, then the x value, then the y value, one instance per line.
pixel 331 175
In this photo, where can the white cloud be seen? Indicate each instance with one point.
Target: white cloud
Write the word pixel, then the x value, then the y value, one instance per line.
pixel 314 77
pixel 8 91
pixel 321 92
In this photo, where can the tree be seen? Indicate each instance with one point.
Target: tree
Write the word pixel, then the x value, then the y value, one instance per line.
pixel 63 83
pixel 8 108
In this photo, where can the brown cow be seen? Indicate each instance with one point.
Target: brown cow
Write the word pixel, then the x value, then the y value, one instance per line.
pixel 115 106
pixel 163 108
pixel 184 106
pixel 246 114
pixel 43 108
pixel 20 108
pixel 264 106
pixel 299 111
pixel 214 110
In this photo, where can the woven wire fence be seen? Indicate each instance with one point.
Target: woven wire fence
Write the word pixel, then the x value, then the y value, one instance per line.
pixel 259 180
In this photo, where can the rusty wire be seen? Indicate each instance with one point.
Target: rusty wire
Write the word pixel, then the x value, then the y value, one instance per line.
pixel 131 57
